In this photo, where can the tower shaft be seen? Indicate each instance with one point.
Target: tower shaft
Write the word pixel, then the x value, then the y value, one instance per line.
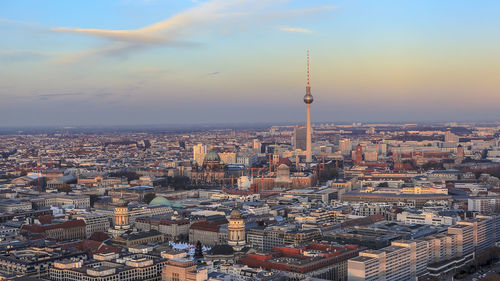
pixel 308 132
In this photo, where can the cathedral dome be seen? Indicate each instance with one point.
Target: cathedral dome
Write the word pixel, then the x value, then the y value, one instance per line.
pixel 236 214
pixel 212 156
pixel 121 202
pixel 160 200
pixel 283 167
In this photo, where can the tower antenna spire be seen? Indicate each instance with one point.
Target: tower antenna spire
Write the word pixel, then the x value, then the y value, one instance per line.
pixel 307 67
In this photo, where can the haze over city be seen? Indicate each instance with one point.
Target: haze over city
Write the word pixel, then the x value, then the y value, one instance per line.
pixel 180 62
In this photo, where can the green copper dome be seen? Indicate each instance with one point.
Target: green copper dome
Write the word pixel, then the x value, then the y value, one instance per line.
pixel 212 156
pixel 160 200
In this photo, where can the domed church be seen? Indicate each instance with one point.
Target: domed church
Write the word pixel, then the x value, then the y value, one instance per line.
pixel 236 230
pixel 212 172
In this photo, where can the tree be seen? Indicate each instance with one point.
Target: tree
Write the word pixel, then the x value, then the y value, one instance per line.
pixel 148 197
pixel 180 182
pixel 383 184
pixel 93 199
pixel 329 173
pixel 198 251
pixel 65 188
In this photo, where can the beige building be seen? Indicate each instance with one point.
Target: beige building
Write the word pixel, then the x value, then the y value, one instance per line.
pixel 94 223
pixel 183 270
pixel 437 255
pixel 110 268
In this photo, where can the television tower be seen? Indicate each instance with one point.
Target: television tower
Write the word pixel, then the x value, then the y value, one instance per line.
pixel 308 99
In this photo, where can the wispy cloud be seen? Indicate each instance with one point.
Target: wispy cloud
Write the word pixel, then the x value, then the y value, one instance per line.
pixel 295 29
pixel 166 32
pixel 174 30
pixel 58 95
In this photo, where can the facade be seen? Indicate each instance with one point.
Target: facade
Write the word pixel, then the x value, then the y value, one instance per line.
pixel 265 239
pixel 94 222
pixel 484 205
pixel 47 200
pixel 403 260
pixel 358 155
pixel 416 200
pixel 236 230
pixel 12 206
pixel 299 139
pixel 322 261
pixel 35 262
pixel 206 232
pixel 426 218
pixel 212 172
pixel 183 270
pixel 110 268
pixel 199 152
pixel 173 229
pixel 139 238
pixel 436 255
pixel 121 218
pixel 68 230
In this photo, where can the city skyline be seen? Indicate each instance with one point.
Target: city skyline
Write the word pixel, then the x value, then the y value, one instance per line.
pixel 188 62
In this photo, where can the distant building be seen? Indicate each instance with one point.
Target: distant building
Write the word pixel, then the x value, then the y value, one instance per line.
pixel 299 138
pixel 199 152
pixel 358 155
pixel 345 146
pixel 211 172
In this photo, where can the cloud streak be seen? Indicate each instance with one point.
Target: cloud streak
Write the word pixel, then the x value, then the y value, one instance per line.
pixel 295 29
pixel 166 32
pixel 173 30
pixel 50 96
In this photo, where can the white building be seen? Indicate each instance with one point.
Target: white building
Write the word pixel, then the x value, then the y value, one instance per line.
pixel 426 218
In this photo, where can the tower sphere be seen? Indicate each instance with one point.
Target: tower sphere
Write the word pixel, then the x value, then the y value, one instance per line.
pixel 308 98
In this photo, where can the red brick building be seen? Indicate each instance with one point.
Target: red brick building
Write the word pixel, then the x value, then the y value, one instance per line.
pixel 68 230
pixel 314 260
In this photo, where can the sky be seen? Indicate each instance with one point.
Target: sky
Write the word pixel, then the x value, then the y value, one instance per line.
pixel 133 62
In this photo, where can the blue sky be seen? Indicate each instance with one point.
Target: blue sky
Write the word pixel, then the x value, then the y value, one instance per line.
pixel 175 61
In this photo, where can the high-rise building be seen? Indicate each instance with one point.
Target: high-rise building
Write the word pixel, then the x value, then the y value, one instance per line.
pixel 450 137
pixel 257 145
pixel 436 255
pixel 299 138
pixel 345 146
pixel 199 152
pixel 308 99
